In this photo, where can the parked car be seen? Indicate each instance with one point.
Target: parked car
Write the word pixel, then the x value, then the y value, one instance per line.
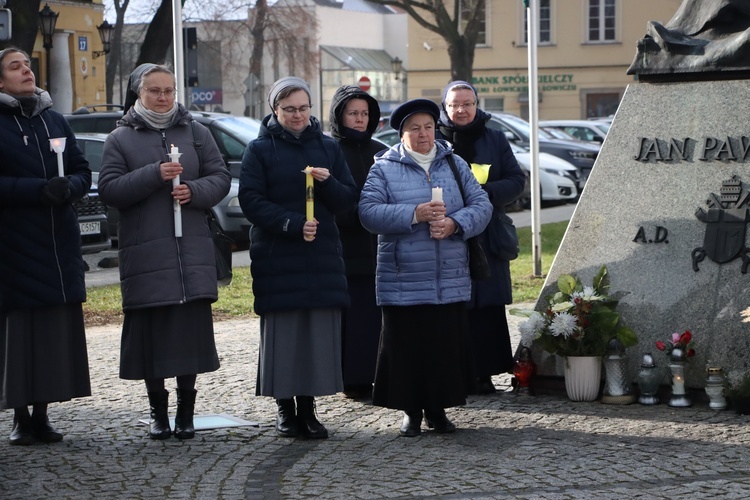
pixel 584 130
pixel 580 154
pixel 92 221
pixel 557 177
pixel 231 133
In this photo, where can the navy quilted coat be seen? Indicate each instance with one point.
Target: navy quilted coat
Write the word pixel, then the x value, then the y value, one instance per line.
pixel 413 268
pixel 40 244
pixel 288 272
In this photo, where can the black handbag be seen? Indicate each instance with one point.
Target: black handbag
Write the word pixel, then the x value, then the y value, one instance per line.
pixel 222 250
pixel 479 266
pixel 502 238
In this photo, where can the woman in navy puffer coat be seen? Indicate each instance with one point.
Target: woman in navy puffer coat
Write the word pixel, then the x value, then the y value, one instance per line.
pixel 463 124
pixel 42 341
pixel 423 279
pixel 297 266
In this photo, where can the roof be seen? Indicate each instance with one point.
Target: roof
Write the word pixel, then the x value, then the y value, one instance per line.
pixel 366 59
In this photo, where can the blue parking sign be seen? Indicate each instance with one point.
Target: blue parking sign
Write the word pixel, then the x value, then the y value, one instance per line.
pixel 83 43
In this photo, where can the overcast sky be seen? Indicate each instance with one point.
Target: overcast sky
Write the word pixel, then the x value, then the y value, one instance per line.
pixel 140 11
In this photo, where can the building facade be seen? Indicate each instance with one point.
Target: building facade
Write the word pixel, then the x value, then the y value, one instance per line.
pixel 584 50
pixel 77 65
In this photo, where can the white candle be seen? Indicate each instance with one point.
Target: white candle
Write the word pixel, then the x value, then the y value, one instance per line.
pixel 437 194
pixel 678 385
pixel 58 146
pixel 174 155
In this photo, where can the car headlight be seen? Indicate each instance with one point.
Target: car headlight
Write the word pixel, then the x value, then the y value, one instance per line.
pixel 583 155
pixel 561 173
pixel 234 202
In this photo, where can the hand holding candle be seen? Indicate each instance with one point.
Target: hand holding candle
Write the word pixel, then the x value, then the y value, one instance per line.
pixel 174 155
pixel 58 146
pixel 309 198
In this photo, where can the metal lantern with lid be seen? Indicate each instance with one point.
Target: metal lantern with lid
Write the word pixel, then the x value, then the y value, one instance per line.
pixel 649 378
pixel 715 388
pixel 617 387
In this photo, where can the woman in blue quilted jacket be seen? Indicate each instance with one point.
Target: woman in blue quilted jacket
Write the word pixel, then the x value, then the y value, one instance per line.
pixel 422 276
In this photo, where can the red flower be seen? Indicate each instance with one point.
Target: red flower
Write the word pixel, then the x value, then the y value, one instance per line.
pixel 690 353
pixel 660 345
pixel 686 337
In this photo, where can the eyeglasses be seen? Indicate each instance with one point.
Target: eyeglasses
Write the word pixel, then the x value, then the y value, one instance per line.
pixel 465 105
pixel 156 93
pixel 290 110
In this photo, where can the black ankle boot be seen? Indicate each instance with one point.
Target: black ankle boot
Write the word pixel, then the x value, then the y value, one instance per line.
pixel 183 420
pixel 22 434
pixel 308 423
pixel 412 424
pixel 159 426
pixel 436 419
pixel 286 418
pixel 41 428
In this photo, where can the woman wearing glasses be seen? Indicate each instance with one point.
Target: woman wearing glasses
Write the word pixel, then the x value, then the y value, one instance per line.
pixel 297 267
pixel 168 280
pixel 462 124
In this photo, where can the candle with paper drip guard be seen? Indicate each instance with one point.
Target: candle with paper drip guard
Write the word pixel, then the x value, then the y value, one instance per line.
pixel 437 194
pixel 174 155
pixel 57 145
pixel 309 197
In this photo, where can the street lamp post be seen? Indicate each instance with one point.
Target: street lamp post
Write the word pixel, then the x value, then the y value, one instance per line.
pixel 397 67
pixel 105 34
pixel 47 22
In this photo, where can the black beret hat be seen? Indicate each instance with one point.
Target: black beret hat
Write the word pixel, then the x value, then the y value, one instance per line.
pixel 404 111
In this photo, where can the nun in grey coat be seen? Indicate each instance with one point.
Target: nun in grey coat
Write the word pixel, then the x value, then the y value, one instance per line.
pixel 168 282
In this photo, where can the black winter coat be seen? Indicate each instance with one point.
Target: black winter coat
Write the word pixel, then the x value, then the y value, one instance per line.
pixel 40 244
pixel 360 245
pixel 288 272
pixel 504 184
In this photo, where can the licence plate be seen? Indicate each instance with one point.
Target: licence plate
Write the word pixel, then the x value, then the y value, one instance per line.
pixel 90 227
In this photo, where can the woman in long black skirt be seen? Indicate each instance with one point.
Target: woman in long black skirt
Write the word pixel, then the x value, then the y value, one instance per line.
pixel 167 264
pixel 42 341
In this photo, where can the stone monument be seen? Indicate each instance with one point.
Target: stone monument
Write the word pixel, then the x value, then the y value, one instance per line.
pixel 667 205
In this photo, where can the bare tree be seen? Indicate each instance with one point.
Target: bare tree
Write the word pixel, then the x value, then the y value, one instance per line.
pixel 115 54
pixel 458 22
pixel 257 33
pixel 25 24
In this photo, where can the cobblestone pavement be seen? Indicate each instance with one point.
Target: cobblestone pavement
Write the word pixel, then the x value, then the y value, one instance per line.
pixel 507 446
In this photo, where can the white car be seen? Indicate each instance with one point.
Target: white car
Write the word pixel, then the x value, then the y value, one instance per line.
pixel 557 177
pixel 584 130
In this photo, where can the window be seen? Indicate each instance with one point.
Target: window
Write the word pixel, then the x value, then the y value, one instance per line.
pixel 601 104
pixel 601 21
pixel 467 8
pixel 545 24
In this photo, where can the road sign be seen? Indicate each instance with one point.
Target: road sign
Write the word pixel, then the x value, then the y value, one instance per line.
pixel 364 83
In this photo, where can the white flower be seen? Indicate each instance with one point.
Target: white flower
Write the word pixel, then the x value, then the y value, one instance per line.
pixel 531 329
pixel 563 324
pixel 588 294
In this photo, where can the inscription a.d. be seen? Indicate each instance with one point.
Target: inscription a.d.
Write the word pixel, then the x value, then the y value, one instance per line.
pixel 659 233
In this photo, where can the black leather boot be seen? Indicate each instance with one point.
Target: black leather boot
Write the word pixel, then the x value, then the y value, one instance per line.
pixel 183 420
pixel 308 423
pixel 41 428
pixel 412 424
pixel 159 428
pixel 22 434
pixel 436 419
pixel 286 418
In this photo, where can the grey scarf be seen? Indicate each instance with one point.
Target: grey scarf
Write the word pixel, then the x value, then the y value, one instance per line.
pixel 154 119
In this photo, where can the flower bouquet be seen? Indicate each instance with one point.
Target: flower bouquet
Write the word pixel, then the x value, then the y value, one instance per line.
pixel 579 320
pixel 679 346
